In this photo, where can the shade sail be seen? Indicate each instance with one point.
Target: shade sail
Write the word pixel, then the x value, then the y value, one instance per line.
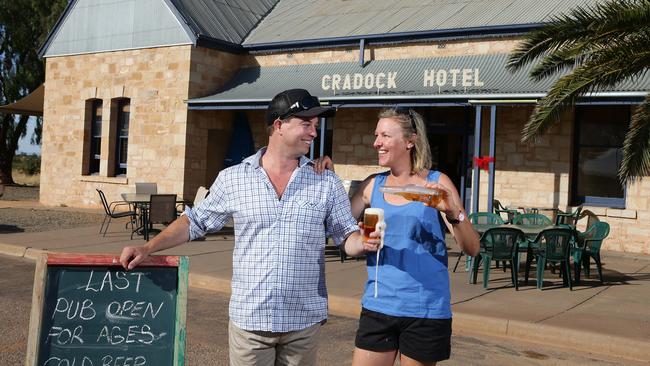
pixel 32 104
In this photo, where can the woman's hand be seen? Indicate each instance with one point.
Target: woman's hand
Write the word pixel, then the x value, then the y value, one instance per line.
pixel 446 204
pixel 322 163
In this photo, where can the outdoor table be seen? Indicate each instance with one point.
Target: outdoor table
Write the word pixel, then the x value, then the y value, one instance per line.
pixel 531 232
pixel 537 210
pixel 141 201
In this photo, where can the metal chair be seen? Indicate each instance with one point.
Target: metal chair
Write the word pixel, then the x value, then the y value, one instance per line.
pixel 162 210
pixel 150 188
pixel 109 210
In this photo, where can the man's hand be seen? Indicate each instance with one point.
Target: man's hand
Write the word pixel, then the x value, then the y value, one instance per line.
pixel 132 256
pixel 372 244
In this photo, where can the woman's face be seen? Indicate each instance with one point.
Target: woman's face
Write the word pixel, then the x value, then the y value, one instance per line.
pixel 392 148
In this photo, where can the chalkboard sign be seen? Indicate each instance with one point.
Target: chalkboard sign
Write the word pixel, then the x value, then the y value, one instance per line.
pixel 88 311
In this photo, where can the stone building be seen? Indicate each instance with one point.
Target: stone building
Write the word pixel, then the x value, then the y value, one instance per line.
pixel 153 90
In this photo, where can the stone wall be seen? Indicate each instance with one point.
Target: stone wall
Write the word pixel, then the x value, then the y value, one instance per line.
pixel 208 132
pixel 537 174
pixel 156 82
pixel 383 52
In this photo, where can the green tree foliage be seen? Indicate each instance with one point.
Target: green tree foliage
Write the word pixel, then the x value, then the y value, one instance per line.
pixel 597 46
pixel 24 25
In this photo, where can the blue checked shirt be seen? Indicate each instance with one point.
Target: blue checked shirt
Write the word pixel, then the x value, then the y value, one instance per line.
pixel 278 279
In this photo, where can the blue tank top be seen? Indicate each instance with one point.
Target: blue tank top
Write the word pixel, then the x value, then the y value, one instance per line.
pixel 413 277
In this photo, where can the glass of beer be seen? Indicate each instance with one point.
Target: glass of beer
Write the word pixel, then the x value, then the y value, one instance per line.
pixel 372 217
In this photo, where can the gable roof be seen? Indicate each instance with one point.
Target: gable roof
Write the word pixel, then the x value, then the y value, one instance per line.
pixel 248 25
pixel 90 26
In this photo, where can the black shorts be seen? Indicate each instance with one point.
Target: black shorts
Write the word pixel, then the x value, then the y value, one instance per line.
pixel 424 340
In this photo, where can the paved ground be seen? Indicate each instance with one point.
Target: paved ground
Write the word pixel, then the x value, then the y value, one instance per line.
pixel 207 332
pixel 612 320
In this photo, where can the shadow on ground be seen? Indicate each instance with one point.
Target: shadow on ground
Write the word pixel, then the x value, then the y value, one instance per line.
pixel 10 229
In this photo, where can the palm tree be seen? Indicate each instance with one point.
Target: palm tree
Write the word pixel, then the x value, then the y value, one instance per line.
pixel 597 46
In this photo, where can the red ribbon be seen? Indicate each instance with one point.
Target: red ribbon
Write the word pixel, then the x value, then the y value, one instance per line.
pixel 483 162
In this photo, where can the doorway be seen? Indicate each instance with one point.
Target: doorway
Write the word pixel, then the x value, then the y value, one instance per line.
pixel 448 131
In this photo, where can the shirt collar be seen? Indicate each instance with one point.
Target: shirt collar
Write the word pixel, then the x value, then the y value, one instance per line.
pixel 254 160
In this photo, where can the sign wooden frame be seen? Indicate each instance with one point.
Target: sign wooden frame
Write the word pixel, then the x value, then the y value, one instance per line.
pixel 69 259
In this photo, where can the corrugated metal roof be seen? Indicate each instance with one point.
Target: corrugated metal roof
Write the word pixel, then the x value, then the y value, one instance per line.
pixel 297 20
pixel 89 26
pixel 458 77
pixel 226 20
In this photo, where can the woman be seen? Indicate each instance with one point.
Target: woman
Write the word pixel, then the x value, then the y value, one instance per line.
pixel 411 312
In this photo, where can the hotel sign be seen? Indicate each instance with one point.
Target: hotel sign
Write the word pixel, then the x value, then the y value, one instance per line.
pixel 454 77
pixel 463 77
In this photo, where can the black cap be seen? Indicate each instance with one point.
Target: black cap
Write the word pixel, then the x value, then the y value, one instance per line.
pixel 296 102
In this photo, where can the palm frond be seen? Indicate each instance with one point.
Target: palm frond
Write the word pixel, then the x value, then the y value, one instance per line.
pixel 636 147
pixel 584 26
pixel 593 74
pixel 562 60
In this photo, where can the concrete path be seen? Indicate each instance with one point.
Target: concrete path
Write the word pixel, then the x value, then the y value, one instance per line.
pixel 611 319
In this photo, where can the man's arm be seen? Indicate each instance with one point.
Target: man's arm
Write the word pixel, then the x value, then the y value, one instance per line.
pixel 175 234
pixel 354 245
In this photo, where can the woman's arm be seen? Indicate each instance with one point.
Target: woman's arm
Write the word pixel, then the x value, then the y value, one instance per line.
pixel 463 232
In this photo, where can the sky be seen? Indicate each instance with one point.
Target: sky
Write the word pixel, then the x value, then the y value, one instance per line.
pixel 24 145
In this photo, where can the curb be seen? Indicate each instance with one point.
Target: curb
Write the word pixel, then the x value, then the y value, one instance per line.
pixel 20 251
pixel 466 324
pixel 548 335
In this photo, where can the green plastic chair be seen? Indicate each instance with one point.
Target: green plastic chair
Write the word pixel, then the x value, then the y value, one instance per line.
pixel 552 246
pixel 570 219
pixel 532 219
pixel 500 209
pixel 589 244
pixel 485 218
pixel 498 244
pixel 480 218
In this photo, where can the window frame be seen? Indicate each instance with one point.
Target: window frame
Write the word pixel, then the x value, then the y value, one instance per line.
pixel 121 169
pixel 588 200
pixel 96 156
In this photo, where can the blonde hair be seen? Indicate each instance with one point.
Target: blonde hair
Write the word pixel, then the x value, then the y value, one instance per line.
pixel 412 123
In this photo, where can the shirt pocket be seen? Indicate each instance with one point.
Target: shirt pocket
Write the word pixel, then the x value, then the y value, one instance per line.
pixel 307 217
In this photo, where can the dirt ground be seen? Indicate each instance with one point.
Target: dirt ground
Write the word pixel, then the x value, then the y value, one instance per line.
pixel 17 220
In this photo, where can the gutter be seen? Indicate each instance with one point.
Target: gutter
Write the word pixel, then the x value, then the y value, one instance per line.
pixel 472 99
pixel 472 32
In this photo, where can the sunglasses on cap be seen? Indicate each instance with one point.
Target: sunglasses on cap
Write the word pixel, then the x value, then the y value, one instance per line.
pixel 304 104
pixel 405 111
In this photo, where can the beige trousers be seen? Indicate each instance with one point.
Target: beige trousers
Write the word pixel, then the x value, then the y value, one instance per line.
pixel 295 348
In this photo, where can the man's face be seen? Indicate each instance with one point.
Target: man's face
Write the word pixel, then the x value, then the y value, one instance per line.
pixel 297 134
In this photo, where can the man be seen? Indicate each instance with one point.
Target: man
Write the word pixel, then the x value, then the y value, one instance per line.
pixel 283 211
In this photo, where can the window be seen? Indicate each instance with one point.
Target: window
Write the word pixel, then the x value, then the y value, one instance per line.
pixel 92 142
pixel 95 137
pixel 600 131
pixel 122 136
